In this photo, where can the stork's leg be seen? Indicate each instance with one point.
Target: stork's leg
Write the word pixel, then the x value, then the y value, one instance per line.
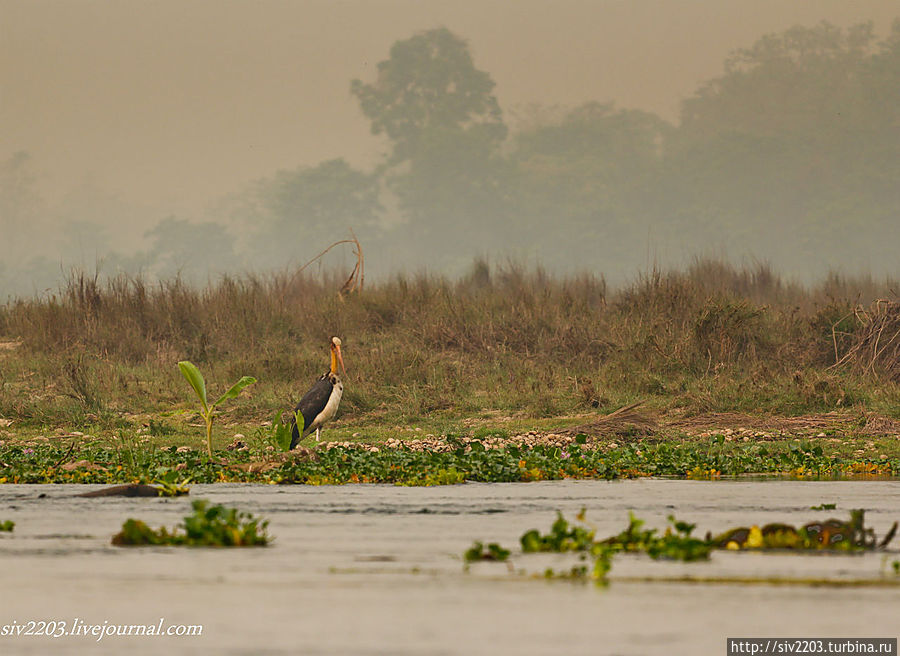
pixel 317 435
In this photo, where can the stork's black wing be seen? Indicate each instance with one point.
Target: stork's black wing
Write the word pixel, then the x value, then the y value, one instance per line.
pixel 312 403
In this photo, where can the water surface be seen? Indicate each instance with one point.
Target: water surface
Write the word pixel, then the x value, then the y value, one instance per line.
pixel 376 569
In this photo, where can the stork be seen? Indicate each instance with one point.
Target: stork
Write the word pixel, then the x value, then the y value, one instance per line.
pixel 321 402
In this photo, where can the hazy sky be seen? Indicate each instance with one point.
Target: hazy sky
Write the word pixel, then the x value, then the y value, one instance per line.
pixel 173 103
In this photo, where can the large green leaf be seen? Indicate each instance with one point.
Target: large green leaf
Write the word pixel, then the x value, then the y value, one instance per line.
pixel 282 432
pixel 195 378
pixel 235 389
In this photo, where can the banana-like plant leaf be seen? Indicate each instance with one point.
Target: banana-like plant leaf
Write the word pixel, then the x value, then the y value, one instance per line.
pixel 195 378
pixel 235 389
pixel 281 432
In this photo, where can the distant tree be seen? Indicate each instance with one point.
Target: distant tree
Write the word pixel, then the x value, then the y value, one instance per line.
pixel 300 212
pixel 582 180
pixel 20 204
pixel 802 79
pixel 794 151
pixel 429 84
pixel 34 275
pixel 445 127
pixel 881 115
pixel 85 242
pixel 592 158
pixel 192 250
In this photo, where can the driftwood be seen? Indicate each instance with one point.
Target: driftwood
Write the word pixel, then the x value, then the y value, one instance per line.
pixel 132 490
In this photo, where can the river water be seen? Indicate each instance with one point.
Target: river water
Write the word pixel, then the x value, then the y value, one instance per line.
pixel 377 569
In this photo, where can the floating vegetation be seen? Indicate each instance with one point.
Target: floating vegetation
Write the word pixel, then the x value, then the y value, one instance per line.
pixel 675 544
pixel 678 543
pixel 171 483
pixel 561 538
pixel 493 551
pixel 465 462
pixel 824 506
pixel 832 534
pixel 172 489
pixel 209 526
pixel 7 526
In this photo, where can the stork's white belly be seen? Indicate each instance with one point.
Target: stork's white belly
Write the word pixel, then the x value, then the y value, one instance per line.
pixel 329 410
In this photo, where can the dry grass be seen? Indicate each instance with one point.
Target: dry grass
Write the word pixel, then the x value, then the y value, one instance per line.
pixel 625 419
pixel 712 338
pixel 875 344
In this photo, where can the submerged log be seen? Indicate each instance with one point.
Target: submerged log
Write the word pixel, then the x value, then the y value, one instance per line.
pixel 130 490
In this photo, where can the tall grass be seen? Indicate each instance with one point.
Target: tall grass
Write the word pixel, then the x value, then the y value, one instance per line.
pixel 504 338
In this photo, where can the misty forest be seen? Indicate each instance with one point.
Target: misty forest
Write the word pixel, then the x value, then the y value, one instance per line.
pixel 789 158
pixel 681 334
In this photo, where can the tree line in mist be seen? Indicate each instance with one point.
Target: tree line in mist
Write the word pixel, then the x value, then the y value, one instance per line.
pixel 790 156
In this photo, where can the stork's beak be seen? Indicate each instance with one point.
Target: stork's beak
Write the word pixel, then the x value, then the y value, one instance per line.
pixel 336 358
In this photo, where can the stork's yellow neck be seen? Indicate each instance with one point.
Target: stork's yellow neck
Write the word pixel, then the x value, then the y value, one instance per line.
pixel 333 361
